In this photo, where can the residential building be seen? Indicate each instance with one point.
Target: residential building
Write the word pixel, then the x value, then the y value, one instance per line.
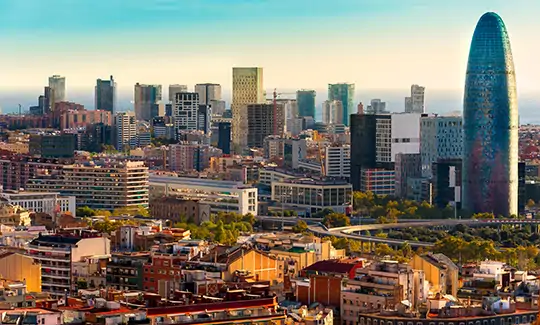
pixel 305 100
pixel 81 118
pixel 58 86
pixel 191 156
pixel 175 89
pixel 337 161
pixel 19 267
pixel 186 111
pixel 146 97
pixel 490 122
pixel 144 134
pixel 439 271
pixel 408 165
pixel 105 95
pixel 100 184
pixel 224 137
pixel 50 203
pixel 441 137
pixel 52 145
pixel 309 196
pixel 125 125
pixel 262 122
pixel 208 92
pixel 174 209
pixel 17 170
pixel 224 196
pixel 381 285
pixel 56 255
pixel 415 103
pixel 247 89
pixel 378 181
pixel 332 112
pixel 345 93
pixel 89 273
pixel 125 270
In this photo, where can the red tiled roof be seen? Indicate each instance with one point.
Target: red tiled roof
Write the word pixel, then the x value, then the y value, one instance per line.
pixel 197 308
pixel 331 266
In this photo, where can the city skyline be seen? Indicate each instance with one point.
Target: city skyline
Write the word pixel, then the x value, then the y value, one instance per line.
pixel 132 41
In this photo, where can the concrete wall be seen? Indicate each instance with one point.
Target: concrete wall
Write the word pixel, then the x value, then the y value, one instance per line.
pixel 21 267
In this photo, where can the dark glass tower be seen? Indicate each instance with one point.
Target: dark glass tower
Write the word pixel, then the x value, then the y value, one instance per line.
pixel 305 100
pixel 490 162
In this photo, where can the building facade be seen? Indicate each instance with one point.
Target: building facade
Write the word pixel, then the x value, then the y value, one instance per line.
pixel 490 166
pixel 52 145
pixel 125 126
pixel 337 161
pixel 185 111
pixel 415 103
pixel 81 118
pixel 208 92
pixel 145 101
pixel 58 86
pixel 247 89
pixel 224 137
pixel 262 122
pixel 105 95
pixel 407 166
pixel 332 111
pixel 175 89
pixel 305 100
pixel 345 93
pixel 41 202
pixel 378 181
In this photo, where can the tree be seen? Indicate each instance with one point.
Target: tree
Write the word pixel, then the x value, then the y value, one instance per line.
pixel 85 211
pixel 103 213
pixel 333 220
pixel 300 227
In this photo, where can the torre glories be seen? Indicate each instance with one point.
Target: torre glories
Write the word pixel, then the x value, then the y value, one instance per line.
pixel 490 115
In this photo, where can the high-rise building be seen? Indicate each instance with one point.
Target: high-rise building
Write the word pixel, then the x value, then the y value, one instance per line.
pixel 224 137
pixel 125 126
pixel 343 92
pixel 407 166
pixel 377 107
pixel 146 97
pixel 190 156
pixel 58 85
pixel 247 89
pixel 208 93
pixel 175 89
pixel 105 95
pixel 441 137
pixel 260 123
pixel 186 111
pixel 204 118
pixel 337 161
pixel 52 145
pixel 490 118
pixel 415 103
pixel 305 100
pixel 332 112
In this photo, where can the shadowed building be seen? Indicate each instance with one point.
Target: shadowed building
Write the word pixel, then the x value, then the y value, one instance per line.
pixel 490 166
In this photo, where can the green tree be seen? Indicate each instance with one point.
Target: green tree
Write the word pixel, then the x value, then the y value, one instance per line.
pixel 85 211
pixel 333 220
pixel 300 227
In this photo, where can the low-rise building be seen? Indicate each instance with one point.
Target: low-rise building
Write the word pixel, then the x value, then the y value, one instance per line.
pixel 440 272
pixel 19 267
pixel 174 209
pixel 41 202
pixel 378 181
pixel 125 270
pixel 14 215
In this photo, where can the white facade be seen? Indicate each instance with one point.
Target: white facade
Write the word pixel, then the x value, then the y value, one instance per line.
pixel 185 111
pixel 441 137
pixel 126 131
pixel 269 175
pixel 332 111
pixel 224 196
pixel 338 161
pixel 405 134
pixel 49 203
pixel 383 141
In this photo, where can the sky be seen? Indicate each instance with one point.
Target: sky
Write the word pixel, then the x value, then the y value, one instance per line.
pixel 376 44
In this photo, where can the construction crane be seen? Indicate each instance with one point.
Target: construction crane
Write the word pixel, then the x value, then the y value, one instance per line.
pixel 275 98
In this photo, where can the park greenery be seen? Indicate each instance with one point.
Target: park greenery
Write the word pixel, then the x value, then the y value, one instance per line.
pixel 86 212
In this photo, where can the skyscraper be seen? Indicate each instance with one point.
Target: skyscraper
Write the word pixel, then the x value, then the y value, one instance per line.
pixel 345 93
pixel 146 97
pixel 415 103
pixel 58 85
pixel 247 89
pixel 332 112
pixel 125 127
pixel 490 166
pixel 208 92
pixel 305 100
pixel 105 95
pixel 174 89
pixel 186 111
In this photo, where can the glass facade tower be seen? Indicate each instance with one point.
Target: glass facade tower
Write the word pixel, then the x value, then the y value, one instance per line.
pixel 345 93
pixel 305 100
pixel 490 116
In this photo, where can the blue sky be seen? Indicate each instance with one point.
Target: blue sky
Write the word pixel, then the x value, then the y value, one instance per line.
pixel 377 44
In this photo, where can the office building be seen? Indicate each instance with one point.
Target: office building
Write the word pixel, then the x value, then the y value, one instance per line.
pixel 407 166
pixel 144 134
pixel 204 118
pixel 490 166
pixel 186 111
pixel 405 134
pixel 446 180
pixel 305 100
pixel 441 137
pixel 332 112
pixel 377 107
pixel 337 161
pixel 247 89
pixel 222 196
pixel 45 102
pixel 224 137
pixel 208 93
pixel 261 122
pixel 99 184
pixel 52 145
pixel 99 135
pixel 57 253
pixel 145 101
pixel 191 156
pixel 58 86
pixel 41 202
pixel 175 89
pixel 415 103
pixel 345 93
pixel 125 126
pixel 105 95
pixel 218 107
pixel 379 181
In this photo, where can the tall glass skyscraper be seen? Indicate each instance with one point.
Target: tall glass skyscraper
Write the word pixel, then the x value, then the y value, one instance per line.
pixel 345 93
pixel 305 100
pixel 490 116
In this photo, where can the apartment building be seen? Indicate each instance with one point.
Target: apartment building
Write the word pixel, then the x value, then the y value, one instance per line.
pixel 337 161
pixel 100 184
pixel 41 202
pixel 19 267
pixel 56 254
pixel 125 270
